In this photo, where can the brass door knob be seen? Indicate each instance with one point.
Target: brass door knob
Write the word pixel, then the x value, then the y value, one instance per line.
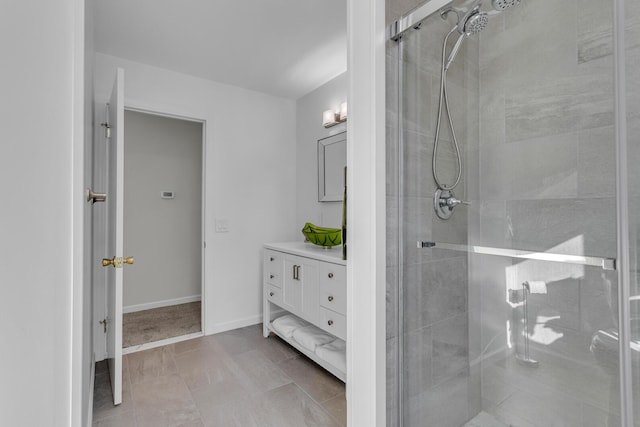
pixel 116 261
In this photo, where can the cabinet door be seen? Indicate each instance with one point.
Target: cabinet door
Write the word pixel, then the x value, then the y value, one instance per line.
pixel 308 273
pixel 300 287
pixel 292 286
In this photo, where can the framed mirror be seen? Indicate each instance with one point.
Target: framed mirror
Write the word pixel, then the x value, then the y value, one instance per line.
pixel 332 158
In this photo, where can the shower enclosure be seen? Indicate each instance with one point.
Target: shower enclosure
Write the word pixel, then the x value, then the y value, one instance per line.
pixel 513 296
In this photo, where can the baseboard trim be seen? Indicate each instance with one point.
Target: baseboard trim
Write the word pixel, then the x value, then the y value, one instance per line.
pixel 158 304
pixel 154 344
pixel 234 324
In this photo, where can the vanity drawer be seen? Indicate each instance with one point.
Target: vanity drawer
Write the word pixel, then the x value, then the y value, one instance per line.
pixel 333 287
pixel 273 294
pixel 273 265
pixel 334 323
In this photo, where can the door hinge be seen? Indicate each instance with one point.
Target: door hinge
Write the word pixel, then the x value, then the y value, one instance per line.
pixel 104 324
pixel 107 129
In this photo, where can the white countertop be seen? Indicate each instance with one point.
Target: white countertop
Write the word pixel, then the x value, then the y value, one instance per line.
pixel 306 249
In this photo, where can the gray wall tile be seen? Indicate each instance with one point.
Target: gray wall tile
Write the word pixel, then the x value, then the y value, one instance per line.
pixel 576 226
pixel 597 162
pixel 560 106
pixel 450 347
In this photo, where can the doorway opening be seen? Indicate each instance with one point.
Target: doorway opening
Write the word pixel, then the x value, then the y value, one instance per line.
pixel 163 227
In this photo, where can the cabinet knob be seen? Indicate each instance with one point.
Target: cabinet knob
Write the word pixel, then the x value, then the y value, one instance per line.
pixel 330 297
pixel 272 259
pixel 330 322
pixel 271 294
pixel 330 275
pixel 271 276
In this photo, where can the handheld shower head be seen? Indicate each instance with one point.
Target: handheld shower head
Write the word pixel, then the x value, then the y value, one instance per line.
pixel 464 15
pixel 454 51
pixel 476 23
pixel 473 24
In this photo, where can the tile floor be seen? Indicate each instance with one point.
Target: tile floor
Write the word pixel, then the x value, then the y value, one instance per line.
pixel 236 378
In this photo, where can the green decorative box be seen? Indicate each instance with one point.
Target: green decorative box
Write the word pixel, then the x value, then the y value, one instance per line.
pixel 322 236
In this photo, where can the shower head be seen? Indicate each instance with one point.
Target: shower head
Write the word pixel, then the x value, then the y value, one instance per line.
pixel 476 23
pixel 470 20
pixel 501 5
pixel 473 21
pixel 472 25
pixel 465 13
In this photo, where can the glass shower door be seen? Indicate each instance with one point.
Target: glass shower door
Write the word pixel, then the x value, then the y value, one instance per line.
pixel 488 335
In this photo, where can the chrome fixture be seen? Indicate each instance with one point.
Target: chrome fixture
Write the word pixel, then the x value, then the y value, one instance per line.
pixel 470 21
pixel 444 201
pixel 95 197
pixel 525 358
pixel 590 261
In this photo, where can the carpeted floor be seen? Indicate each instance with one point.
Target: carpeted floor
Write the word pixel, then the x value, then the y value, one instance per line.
pixel 160 323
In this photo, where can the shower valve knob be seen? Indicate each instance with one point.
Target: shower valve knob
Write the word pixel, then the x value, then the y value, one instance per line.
pixel 452 201
pixel 444 201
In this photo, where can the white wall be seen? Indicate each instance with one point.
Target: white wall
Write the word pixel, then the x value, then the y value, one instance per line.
pixel 164 235
pixel 309 130
pixel 41 167
pixel 250 175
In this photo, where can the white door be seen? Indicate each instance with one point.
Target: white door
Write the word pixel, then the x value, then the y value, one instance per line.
pixel 113 259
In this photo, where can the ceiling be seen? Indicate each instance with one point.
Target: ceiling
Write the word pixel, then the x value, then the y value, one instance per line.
pixel 285 48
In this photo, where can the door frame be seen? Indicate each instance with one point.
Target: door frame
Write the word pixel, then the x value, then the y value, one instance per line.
pixel 101 300
pixel 186 117
pixel 366 269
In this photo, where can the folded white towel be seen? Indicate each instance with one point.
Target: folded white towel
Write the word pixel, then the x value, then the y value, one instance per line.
pixel 334 353
pixel 311 337
pixel 287 324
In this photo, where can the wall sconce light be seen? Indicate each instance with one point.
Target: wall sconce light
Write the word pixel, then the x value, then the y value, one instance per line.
pixel 332 117
pixel 343 111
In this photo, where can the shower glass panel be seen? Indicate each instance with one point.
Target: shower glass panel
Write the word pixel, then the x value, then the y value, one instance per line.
pixel 632 51
pixel 484 337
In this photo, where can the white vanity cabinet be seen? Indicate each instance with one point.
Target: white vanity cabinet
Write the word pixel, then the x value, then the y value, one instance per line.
pixel 308 282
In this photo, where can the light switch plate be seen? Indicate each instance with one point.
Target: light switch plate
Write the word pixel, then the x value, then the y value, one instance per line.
pixel 222 225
